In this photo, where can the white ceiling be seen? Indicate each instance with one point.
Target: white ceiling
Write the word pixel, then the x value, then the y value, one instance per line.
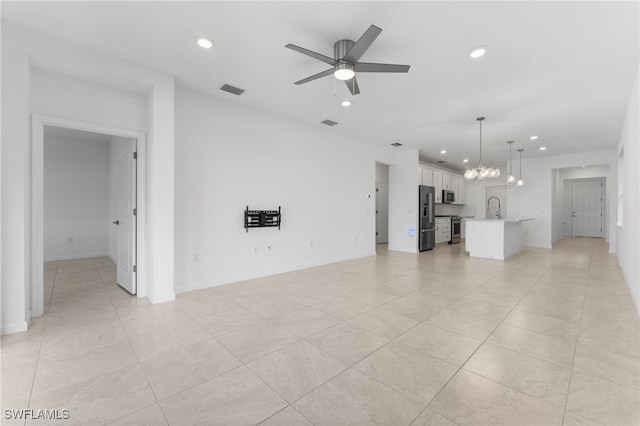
pixel 562 71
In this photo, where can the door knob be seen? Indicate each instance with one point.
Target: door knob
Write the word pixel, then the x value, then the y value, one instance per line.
pixel 117 222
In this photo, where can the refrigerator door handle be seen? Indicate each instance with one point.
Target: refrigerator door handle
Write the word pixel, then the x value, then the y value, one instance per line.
pixel 430 198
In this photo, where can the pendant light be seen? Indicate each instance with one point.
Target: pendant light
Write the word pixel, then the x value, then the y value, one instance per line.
pixel 520 181
pixel 511 177
pixel 481 172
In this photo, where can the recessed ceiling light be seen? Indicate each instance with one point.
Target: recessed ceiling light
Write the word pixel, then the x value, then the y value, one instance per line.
pixel 584 166
pixel 205 43
pixel 542 148
pixel 346 103
pixel 466 160
pixel 443 152
pixel 533 138
pixel 476 52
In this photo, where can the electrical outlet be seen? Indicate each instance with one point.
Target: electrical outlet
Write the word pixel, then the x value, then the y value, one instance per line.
pixel 310 244
pixel 356 238
pixel 70 240
pixel 255 250
pixel 269 248
pixel 196 257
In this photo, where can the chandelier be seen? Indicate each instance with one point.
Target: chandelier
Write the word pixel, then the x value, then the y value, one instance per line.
pixel 481 172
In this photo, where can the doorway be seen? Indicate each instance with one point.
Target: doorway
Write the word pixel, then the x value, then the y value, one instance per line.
pixel 587 208
pixel 382 203
pixel 495 202
pixel 128 192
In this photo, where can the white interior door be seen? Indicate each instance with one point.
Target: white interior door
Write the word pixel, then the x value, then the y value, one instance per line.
pixel 491 204
pixel 586 208
pixel 126 221
pixel 382 213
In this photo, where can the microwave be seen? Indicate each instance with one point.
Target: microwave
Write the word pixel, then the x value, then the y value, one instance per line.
pixel 448 197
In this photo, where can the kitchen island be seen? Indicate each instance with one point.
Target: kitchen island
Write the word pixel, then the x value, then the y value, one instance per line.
pixel 493 238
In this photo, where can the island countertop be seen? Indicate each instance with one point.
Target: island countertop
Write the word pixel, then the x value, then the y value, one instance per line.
pixel 479 219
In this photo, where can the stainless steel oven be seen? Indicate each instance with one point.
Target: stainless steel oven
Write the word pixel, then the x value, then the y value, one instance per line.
pixel 455 229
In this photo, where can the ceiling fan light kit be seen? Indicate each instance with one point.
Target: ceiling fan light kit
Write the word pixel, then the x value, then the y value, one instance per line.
pixel 345 63
pixel 481 172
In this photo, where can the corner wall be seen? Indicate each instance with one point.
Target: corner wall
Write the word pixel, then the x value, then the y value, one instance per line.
pixel 403 202
pixel 628 235
pixel 24 51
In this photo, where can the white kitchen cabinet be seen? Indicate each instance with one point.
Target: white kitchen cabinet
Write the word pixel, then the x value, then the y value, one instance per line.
pixel 437 184
pixel 443 230
pixel 461 195
pixel 454 187
pixel 446 181
pixel 427 176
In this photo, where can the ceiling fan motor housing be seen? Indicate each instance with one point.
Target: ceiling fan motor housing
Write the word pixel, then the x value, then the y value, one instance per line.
pixel 341 48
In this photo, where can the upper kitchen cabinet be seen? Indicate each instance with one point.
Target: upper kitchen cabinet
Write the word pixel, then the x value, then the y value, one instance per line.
pixel 427 176
pixel 446 181
pixel 461 194
pixel 437 184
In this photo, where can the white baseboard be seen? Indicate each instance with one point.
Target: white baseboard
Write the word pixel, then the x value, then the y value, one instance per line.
pixel 75 256
pixel 14 328
pixel 161 298
pixel 237 278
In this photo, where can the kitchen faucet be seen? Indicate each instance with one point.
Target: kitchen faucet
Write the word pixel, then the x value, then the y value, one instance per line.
pixel 498 212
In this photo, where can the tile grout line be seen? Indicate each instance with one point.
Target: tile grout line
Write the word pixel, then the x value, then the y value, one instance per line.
pixel 139 365
pixel 575 348
pixel 474 352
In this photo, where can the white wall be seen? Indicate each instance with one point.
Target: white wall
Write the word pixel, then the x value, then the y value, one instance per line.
pixel 105 91
pixel 76 198
pixel 557 206
pixel 535 198
pixel 229 156
pixel 628 241
pixel 403 201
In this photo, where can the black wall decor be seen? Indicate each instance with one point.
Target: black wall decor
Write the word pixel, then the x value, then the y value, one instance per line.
pixel 261 218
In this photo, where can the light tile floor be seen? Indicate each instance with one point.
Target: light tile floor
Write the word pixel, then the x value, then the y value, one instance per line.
pixel 549 337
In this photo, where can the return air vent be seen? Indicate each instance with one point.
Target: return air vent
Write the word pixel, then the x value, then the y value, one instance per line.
pixel 396 144
pixel 232 89
pixel 329 122
pixel 441 162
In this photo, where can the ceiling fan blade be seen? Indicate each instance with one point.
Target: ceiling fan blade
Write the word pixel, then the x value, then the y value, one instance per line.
pixel 363 43
pixel 313 54
pixel 315 76
pixel 371 67
pixel 352 85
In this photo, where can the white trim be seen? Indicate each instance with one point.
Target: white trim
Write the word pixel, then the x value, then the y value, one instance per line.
pixel 37 200
pixel 14 328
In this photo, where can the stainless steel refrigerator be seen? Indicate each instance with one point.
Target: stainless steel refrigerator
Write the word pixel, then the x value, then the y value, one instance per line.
pixel 426 217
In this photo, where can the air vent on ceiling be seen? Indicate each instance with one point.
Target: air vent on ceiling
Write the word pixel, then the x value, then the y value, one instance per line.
pixel 329 122
pixel 441 162
pixel 396 144
pixel 232 89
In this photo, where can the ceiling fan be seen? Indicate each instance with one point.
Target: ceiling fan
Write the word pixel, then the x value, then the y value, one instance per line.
pixel 344 64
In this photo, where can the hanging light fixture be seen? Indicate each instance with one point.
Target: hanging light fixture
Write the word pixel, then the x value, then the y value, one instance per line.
pixel 520 181
pixel 481 172
pixel 511 177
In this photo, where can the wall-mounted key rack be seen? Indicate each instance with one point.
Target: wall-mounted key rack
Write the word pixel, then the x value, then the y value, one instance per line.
pixel 261 218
